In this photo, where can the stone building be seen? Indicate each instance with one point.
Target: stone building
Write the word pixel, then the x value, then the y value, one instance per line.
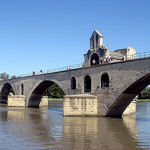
pixel 100 54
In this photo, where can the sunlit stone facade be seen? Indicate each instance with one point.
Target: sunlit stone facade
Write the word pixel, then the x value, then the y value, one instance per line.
pixel 100 54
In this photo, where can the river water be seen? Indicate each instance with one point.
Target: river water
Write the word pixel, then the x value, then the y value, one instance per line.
pixel 43 129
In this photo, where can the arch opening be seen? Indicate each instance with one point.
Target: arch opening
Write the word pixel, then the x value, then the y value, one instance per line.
pixel 104 80
pixel 6 90
pixel 87 83
pixel 94 59
pixel 127 96
pixel 22 89
pixel 45 88
pixel 73 83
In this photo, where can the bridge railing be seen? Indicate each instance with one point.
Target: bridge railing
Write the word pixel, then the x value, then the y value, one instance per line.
pixel 53 70
pixel 143 55
pixel 127 57
pixel 138 55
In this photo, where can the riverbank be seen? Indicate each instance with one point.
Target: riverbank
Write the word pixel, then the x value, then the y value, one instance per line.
pixel 55 102
pixel 55 99
pixel 143 100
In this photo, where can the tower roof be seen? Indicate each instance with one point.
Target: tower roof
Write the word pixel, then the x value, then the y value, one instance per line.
pixel 98 33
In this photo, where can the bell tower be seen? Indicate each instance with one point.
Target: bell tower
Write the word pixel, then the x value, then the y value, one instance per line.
pixel 96 40
pixel 97 50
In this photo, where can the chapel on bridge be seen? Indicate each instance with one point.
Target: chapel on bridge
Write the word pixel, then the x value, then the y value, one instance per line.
pixel 100 54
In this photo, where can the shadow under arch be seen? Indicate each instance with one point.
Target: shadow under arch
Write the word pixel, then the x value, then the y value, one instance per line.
pixel 125 98
pixel 37 93
pixel 6 89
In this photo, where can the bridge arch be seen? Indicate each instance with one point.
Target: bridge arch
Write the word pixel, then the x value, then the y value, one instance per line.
pixel 6 89
pixel 94 59
pixel 38 91
pixel 125 98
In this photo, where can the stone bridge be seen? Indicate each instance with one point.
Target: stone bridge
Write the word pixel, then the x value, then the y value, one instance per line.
pixel 114 84
pixel 104 86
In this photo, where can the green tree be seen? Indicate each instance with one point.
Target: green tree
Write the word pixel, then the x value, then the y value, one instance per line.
pixel 4 76
pixel 54 91
pixel 145 93
pixel 13 77
pixel 12 91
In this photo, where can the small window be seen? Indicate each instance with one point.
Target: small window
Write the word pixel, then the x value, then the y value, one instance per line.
pixel 22 89
pixel 73 83
pixel 105 80
pixel 87 83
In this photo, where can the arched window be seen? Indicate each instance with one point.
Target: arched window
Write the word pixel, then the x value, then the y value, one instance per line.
pixel 92 42
pixel 96 40
pixel 22 89
pixel 94 59
pixel 73 83
pixel 104 80
pixel 87 83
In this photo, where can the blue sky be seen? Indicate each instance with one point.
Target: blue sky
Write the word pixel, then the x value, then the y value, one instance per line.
pixel 45 34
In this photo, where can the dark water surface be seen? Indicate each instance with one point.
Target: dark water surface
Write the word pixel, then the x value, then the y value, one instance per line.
pixel 43 129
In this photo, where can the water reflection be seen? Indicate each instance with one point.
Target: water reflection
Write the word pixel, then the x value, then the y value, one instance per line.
pixel 30 125
pixel 104 133
pixel 27 128
pixel 143 124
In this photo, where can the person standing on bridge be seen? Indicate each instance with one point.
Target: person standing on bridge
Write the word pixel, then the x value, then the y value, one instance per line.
pixel 108 59
pixel 101 60
pixel 41 72
pixel 104 60
pixel 33 73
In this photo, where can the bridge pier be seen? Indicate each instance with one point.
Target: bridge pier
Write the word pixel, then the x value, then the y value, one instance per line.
pixel 131 109
pixel 16 101
pixel 89 105
pixel 80 105
pixel 20 101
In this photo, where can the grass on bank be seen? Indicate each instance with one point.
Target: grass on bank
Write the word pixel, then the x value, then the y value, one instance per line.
pixel 143 100
pixel 55 99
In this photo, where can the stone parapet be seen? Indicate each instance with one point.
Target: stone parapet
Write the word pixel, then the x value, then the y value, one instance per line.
pixel 80 105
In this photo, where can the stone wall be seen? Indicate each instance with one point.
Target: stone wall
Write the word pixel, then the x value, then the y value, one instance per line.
pixel 16 101
pixel 80 105
pixel 44 102
pixel 88 105
pixel 131 109
pixel 20 101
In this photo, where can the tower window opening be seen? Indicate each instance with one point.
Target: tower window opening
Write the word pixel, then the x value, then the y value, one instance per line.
pixel 96 40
